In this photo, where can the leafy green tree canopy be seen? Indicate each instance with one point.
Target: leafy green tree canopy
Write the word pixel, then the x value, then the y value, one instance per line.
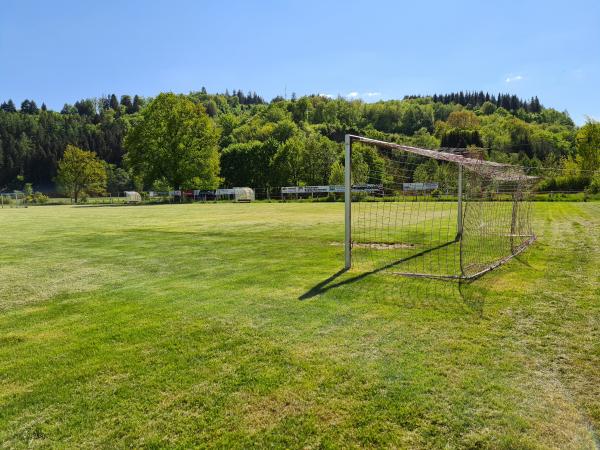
pixel 174 140
pixel 81 172
pixel 337 176
pixel 118 179
pixel 588 145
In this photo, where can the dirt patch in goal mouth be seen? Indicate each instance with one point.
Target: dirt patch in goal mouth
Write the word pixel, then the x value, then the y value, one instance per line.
pixel 377 245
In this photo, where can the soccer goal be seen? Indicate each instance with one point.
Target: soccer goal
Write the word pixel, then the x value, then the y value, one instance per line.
pixel 14 199
pixel 436 213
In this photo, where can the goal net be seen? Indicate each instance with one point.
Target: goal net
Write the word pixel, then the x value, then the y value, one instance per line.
pixel 14 199
pixel 434 213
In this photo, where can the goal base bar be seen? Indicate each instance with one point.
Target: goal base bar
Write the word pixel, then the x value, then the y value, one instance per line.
pixel 520 249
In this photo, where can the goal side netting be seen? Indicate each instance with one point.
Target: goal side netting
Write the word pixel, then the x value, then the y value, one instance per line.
pixel 432 213
pixel 14 199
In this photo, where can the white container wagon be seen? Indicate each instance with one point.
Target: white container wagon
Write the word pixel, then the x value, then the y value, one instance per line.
pixel 238 194
pixel 132 197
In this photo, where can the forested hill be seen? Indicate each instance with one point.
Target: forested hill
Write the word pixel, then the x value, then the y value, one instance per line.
pixel 255 134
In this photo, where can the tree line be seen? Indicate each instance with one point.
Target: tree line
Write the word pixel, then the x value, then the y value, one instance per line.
pixel 282 142
pixel 510 102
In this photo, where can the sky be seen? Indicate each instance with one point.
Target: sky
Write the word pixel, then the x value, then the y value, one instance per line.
pixel 61 51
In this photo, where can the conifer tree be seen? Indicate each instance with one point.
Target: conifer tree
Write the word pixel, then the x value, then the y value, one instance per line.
pixel 8 106
pixel 29 107
pixel 114 103
pixel 126 102
pixel 137 103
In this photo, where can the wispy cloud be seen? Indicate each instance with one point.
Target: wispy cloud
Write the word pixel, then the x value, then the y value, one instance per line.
pixel 513 78
pixel 355 94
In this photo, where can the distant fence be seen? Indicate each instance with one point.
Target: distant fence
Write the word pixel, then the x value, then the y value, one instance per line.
pixel 293 193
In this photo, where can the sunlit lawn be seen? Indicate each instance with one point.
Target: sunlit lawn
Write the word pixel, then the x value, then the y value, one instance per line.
pixel 226 325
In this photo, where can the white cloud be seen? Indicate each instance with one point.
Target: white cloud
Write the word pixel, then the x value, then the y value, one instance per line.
pixel 326 95
pixel 513 78
pixel 355 94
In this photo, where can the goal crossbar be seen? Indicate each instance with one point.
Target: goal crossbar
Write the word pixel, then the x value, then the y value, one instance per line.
pixel 500 171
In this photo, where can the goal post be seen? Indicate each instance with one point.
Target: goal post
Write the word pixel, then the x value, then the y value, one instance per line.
pixel 459 195
pixel 348 202
pixel 435 213
pixel 15 199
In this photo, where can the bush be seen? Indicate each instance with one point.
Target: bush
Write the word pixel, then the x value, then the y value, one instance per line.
pixel 594 187
pixel 565 183
pixel 37 198
pixel 40 198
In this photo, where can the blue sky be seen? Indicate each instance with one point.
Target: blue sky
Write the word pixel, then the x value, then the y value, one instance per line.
pixel 61 51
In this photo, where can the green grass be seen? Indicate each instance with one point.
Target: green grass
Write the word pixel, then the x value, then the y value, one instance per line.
pixel 88 201
pixel 215 325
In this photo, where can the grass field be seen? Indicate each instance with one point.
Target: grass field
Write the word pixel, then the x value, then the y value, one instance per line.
pixel 230 325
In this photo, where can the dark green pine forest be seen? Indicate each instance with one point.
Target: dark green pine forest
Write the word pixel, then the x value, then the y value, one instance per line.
pixel 288 141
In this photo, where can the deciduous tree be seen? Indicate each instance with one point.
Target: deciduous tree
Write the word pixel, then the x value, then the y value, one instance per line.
pixel 588 146
pixel 175 140
pixel 81 172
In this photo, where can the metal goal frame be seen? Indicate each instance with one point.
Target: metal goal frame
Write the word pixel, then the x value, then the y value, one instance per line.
pixel 490 169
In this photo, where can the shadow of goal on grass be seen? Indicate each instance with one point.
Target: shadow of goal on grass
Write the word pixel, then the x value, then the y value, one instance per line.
pixel 467 294
pixel 328 283
pixel 465 298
